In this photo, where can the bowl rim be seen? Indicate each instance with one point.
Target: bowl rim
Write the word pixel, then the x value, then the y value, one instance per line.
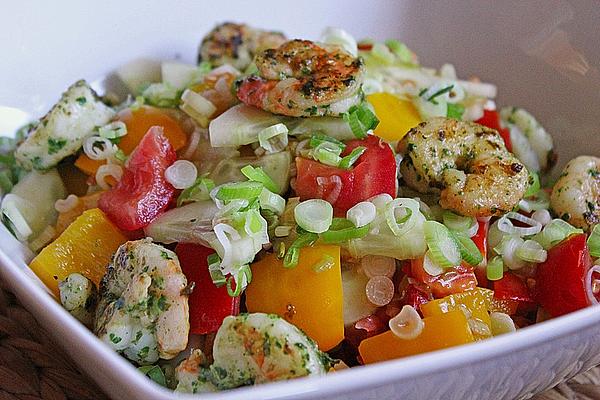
pixel 16 274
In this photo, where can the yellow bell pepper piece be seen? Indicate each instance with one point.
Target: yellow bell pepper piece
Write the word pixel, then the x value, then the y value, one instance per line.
pixel 477 302
pixel 310 300
pixel 440 331
pixel 86 247
pixel 396 116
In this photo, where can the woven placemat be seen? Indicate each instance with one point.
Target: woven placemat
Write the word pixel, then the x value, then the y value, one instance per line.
pixel 32 367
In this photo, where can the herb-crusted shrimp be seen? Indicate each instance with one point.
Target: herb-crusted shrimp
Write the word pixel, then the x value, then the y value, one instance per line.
pixel 62 131
pixel 301 78
pixel 477 175
pixel 252 349
pixel 143 311
pixel 576 195
pixel 236 44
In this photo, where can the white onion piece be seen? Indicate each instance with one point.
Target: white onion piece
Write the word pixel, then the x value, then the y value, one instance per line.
pixel 362 213
pixel 11 211
pixel 98 148
pixel 334 180
pixel 106 170
pixel 501 323
pixel 542 216
pixel 505 225
pixel 181 174
pixel 381 200
pixel 223 232
pixel 407 324
pixel 431 267
pixel 589 289
pixel 65 205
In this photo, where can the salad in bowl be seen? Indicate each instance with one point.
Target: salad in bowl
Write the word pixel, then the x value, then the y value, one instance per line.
pixel 288 207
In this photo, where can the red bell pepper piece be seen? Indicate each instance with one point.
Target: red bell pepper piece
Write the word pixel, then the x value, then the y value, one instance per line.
pixel 209 304
pixel 491 119
pixel 560 280
pixel 143 193
pixel 415 295
pixel 511 287
pixel 454 280
pixel 372 174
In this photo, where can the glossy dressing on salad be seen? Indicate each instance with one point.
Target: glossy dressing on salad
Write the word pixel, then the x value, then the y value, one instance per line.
pixel 287 207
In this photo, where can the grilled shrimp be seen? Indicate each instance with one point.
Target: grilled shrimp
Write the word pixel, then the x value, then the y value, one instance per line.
pixel 576 195
pixel 142 311
pixel 236 44
pixel 301 78
pixel 193 375
pixel 255 348
pixel 477 175
pixel 78 295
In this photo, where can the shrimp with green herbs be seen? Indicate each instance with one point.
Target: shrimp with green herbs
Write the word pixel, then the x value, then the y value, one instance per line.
pixel 143 308
pixel 236 44
pixel 301 78
pixel 78 295
pixel 468 162
pixel 576 195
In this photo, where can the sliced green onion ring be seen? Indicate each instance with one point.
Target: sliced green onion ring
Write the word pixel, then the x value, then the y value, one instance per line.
pixel 508 250
pixel 505 224
pixel 239 190
pixel 540 201
pixel 274 138
pixel 430 266
pixel 271 201
pixel 342 230
pixel 314 215
pixel 292 255
pixel 256 174
pixel 456 222
pixel 242 279
pixel 555 232
pixel 468 249
pixel 362 213
pixel 408 210
pixel 214 269
pixel 531 251
pixel 199 191
pixel 495 269
pixel 327 153
pixel 349 160
pixel 443 248
pixel 318 138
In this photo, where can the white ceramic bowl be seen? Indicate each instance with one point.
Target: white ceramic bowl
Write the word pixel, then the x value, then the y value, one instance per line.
pixel 543 55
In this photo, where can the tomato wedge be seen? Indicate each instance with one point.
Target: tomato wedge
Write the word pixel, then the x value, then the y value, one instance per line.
pixel 373 173
pixel 491 119
pixel 209 304
pixel 560 280
pixel 142 194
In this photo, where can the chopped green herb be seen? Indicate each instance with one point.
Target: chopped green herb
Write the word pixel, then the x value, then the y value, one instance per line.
pixel 114 338
pixel 81 100
pixel 54 145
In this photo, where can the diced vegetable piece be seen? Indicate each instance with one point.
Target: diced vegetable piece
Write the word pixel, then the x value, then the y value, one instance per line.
pixel 143 193
pixel 396 116
pixel 276 166
pixel 511 287
pixel 440 331
pixel 62 131
pixel 138 122
pixel 240 125
pixel 191 223
pixel 372 174
pixel 209 304
pixel 310 300
pixel 454 280
pixel 477 303
pixel 33 197
pixel 86 247
pixel 560 280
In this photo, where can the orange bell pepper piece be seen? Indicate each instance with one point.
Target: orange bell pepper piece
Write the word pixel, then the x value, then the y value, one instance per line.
pixel 396 116
pixel 440 331
pixel 310 300
pixel 477 302
pixel 138 122
pixel 68 217
pixel 86 247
